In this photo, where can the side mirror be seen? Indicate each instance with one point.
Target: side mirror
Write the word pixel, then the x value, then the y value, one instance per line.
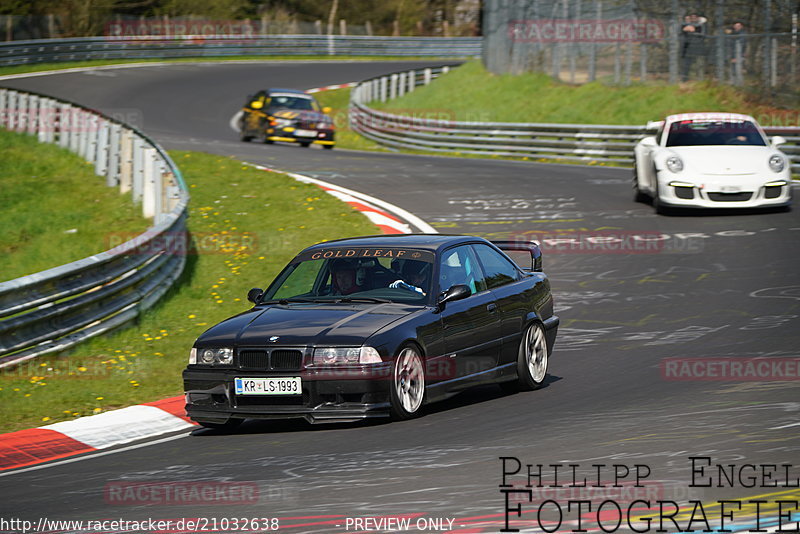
pixel 255 104
pixel 778 140
pixel 254 295
pixel 456 292
pixel 327 109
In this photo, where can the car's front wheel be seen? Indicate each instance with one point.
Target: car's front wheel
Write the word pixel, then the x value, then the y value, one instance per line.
pixel 408 383
pixel 638 195
pixel 532 359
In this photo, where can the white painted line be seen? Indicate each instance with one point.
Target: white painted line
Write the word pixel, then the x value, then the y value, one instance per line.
pixel 424 227
pixel 94 455
pixel 784 426
pixel 121 426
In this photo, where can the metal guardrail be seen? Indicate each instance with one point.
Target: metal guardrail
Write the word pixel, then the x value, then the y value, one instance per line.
pixel 55 309
pixel 582 143
pixel 88 48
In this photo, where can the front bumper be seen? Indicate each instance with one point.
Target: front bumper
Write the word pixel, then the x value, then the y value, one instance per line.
pixel 717 192
pixel 324 137
pixel 328 395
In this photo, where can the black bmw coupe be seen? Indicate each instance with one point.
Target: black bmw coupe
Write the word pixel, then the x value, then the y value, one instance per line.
pixel 377 326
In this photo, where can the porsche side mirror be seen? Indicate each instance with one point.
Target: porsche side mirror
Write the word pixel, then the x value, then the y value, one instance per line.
pixel 327 109
pixel 254 295
pixel 255 104
pixel 456 292
pixel 778 140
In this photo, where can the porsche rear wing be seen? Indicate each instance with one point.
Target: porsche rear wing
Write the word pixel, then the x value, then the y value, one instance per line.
pixel 532 248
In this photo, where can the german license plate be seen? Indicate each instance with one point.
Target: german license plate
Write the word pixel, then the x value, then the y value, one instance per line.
pixel 268 386
pixel 729 189
pixel 305 133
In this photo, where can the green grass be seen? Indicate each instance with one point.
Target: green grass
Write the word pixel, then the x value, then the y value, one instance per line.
pixel 39 67
pixel 470 93
pixel 272 216
pixel 338 100
pixel 55 208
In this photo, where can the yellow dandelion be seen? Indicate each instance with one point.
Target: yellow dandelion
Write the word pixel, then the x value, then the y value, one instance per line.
pixel 99 398
pixel 97 410
pixel 45 418
pixel 82 369
pixel 192 316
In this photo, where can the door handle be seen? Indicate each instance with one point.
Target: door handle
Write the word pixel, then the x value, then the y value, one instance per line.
pixel 491 308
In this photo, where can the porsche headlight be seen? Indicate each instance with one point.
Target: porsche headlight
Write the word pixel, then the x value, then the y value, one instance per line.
pixel 776 163
pixel 223 356
pixel 345 355
pixel 674 164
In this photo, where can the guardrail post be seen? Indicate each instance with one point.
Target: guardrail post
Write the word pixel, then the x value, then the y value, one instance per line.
pixel 384 82
pixel 3 107
pixel 22 116
pixel 150 184
pixel 445 69
pixel 426 76
pixel 65 126
pixel 82 134
pixel 112 173
pixel 47 121
pixel 126 161
pixel 32 127
pixel 91 144
pixel 392 86
pixel 412 80
pixel 101 161
pixel 138 168
pixel 376 94
pixel 11 106
pixel 401 84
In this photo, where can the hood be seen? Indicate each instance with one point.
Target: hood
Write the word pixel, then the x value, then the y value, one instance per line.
pixel 725 160
pixel 301 115
pixel 305 324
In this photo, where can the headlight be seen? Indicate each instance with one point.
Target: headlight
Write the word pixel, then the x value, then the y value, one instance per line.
pixel 324 126
pixel 222 356
pixel 345 355
pixel 674 164
pixel 282 122
pixel 776 163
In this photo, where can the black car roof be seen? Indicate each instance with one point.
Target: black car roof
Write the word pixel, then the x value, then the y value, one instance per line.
pixel 432 242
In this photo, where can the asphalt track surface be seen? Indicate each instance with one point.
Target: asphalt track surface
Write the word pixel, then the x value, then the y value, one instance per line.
pixel 709 285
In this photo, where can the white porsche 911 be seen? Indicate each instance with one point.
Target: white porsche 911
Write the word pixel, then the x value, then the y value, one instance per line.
pixel 711 160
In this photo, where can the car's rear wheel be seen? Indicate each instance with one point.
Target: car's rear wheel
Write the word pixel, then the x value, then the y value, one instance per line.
pixel 408 383
pixel 328 147
pixel 244 137
pixel 230 424
pixel 532 359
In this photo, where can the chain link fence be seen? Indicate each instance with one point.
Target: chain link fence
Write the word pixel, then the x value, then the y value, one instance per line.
pixel 731 41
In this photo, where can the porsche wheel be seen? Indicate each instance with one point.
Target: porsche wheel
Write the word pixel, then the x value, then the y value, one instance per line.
pixel 659 206
pixel 408 384
pixel 532 358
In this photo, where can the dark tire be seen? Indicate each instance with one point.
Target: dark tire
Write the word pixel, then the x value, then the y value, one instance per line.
pixel 407 388
pixel 659 206
pixel 244 137
pixel 638 196
pixel 532 359
pixel 230 424
pixel 327 147
pixel 267 141
pixel 305 145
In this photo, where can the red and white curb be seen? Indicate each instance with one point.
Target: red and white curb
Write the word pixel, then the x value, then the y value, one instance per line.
pixel 331 87
pixel 34 446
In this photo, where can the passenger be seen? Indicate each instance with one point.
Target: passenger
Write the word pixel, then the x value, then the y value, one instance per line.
pixel 415 277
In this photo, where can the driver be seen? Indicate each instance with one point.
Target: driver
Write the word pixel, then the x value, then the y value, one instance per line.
pixel 343 277
pixel 415 275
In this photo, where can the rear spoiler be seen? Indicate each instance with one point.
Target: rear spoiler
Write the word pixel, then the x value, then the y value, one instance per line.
pixel 531 247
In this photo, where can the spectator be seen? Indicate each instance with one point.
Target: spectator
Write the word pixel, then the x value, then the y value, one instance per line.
pixel 692 42
pixel 737 42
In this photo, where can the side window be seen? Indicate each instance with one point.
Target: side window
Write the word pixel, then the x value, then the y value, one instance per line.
pixel 498 269
pixel 460 266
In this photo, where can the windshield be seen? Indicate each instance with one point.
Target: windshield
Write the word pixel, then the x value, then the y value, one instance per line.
pixel 292 102
pixel 714 132
pixel 355 274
